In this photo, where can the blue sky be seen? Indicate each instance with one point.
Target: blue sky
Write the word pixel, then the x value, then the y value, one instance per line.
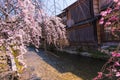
pixel 54 9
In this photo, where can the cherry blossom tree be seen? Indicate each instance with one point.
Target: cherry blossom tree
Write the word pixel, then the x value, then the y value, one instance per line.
pixel 111 19
pixel 24 22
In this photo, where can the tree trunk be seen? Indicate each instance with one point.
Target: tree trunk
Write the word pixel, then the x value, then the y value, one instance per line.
pixel 45 46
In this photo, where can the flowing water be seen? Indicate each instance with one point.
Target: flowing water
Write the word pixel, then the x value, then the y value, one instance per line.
pixel 62 66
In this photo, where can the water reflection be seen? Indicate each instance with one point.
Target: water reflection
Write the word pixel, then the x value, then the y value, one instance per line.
pixel 73 66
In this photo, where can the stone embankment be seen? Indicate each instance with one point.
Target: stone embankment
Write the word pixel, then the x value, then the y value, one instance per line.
pixel 5 68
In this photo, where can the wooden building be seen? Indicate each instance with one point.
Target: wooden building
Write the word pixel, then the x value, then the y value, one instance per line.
pixel 82 20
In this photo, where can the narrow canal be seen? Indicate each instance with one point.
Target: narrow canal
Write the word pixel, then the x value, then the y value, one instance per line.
pixel 62 66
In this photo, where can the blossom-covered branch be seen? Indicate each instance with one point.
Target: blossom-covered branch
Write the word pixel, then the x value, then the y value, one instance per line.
pixel 111 20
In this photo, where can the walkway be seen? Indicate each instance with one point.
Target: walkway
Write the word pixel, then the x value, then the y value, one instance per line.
pixel 56 67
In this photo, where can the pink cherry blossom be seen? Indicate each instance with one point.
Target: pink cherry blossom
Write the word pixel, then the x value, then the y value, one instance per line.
pixel 118 3
pixel 27 26
pixel 115 1
pixel 107 23
pixel 111 20
pixel 118 74
pixel 109 10
pixel 101 21
pixel 117 63
pixel 114 54
pixel 104 13
pixel 100 74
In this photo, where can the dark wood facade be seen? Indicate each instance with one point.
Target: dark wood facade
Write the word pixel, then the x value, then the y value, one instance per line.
pixel 82 34
pixel 82 22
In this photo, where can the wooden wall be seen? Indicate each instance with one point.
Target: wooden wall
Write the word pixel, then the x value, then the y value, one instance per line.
pixel 85 33
pixel 98 5
pixel 79 11
pixel 81 34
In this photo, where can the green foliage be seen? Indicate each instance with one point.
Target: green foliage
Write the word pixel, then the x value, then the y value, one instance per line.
pixel 3 59
pixel 111 48
pixel 98 54
pixel 15 53
pixel 51 48
pixel 80 49
pixel 3 49
pixel 19 66
pixel 93 53
pixel 3 67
